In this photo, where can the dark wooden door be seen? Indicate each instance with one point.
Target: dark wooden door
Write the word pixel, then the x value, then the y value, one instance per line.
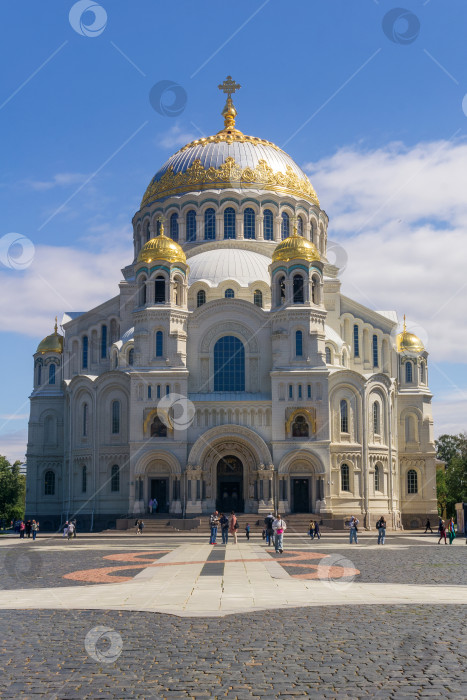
pixel 301 495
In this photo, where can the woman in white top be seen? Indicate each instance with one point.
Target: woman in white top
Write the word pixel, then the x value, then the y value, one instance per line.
pixel 279 526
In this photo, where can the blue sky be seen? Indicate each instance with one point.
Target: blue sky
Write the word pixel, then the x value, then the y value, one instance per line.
pixel 377 123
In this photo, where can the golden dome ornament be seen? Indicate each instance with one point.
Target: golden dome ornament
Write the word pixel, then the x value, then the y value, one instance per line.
pixel 296 246
pixel 51 343
pixel 161 248
pixel 408 342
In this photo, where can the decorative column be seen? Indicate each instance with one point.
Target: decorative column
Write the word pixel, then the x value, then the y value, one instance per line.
pixel 277 228
pixel 181 231
pixel 283 495
pixel 219 227
pixel 193 504
pixel 175 502
pixel 239 232
pixel 260 228
pixel 199 227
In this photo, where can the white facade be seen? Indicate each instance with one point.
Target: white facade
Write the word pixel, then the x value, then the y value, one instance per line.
pixel 328 422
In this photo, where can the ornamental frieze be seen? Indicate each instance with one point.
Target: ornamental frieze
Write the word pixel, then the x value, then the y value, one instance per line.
pixel 231 175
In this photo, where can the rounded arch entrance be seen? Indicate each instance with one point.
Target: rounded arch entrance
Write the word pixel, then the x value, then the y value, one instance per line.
pixel 230 459
pixel 301 483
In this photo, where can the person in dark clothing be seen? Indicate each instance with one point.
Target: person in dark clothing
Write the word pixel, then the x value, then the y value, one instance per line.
pixel 268 521
pixel 224 523
pixel 428 526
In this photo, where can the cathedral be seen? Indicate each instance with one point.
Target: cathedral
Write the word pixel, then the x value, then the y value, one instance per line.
pixel 230 371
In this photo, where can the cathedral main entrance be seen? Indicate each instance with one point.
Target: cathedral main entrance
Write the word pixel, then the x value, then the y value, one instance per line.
pixel 301 495
pixel 160 491
pixel 229 485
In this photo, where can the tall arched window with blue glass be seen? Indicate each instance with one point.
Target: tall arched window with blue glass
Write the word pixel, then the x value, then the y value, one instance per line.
pixel 229 223
pixel 298 343
pixel 229 364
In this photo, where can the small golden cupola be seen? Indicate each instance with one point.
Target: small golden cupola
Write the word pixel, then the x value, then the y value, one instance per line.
pixel 52 343
pixel 408 342
pixel 161 248
pixel 296 246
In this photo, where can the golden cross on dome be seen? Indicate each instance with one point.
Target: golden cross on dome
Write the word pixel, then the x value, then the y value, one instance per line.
pixel 405 325
pixel 229 86
pixel 55 327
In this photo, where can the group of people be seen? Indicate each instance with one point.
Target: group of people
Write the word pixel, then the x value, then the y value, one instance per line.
pixel 152 505
pixel 313 529
pixel 28 528
pixel 69 529
pixel 273 532
pixel 353 529
pixel 139 525
pixel 443 530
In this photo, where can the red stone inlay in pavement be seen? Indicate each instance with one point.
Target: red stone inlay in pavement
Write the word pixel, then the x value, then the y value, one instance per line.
pixel 142 560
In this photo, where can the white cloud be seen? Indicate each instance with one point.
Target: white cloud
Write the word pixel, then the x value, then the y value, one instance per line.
pixel 13 445
pixel 176 137
pixel 58 180
pixel 401 216
pixel 59 279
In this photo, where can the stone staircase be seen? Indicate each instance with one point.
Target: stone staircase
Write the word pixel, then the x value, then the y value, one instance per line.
pixel 164 523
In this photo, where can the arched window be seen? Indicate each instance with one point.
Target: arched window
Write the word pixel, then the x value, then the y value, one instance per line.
pixel 328 356
pixel 104 341
pixel 345 477
pixel 209 224
pixel 49 483
pixel 159 290
pixel 408 372
pixel 268 225
pixel 249 223
pixel 115 478
pixel 158 428
pixel 412 481
pixel 191 225
pixel 377 478
pixel 52 373
pixel 229 294
pixel 131 357
pixel 285 225
pixel 174 227
pixel 85 420
pixel 344 411
pixel 375 351
pixel 85 352
pixel 314 290
pixel 229 364
pixel 298 296
pixel 258 298
pixel 84 479
pixel 39 373
pixel 149 391
pixel 148 233
pixel 229 223
pixel 281 284
pixel 300 427
pixel 115 417
pixel 298 343
pixel 143 292
pixel 299 225
pixel 422 373
pixel 201 297
pixel 158 391
pixel 356 343
pixel 376 418
pixel 159 344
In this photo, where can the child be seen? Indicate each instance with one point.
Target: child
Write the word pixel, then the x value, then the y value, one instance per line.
pixel 247 531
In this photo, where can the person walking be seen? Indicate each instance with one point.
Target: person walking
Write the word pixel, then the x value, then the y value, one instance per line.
pixel 233 526
pixel 22 530
pixel 71 530
pixel 451 530
pixel 247 531
pixel 28 528
pixel 224 523
pixel 428 526
pixel 214 523
pixel 353 525
pixel 442 532
pixel 140 527
pixel 317 532
pixel 279 526
pixel 65 529
pixel 381 527
pixel 311 529
pixel 268 521
pixel 154 505
pixel 150 504
pixel 35 529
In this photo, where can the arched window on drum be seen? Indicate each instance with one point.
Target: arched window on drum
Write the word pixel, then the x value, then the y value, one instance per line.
pixel 268 225
pixel 249 223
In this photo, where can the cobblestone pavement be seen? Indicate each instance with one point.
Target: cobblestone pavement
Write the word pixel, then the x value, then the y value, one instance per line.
pixel 45 563
pixel 372 651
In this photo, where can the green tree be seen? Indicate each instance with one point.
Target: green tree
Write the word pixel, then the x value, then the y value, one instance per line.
pixel 12 490
pixel 452 481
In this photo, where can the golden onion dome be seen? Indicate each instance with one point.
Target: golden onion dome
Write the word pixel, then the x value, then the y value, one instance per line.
pixel 161 248
pixel 52 343
pixel 409 342
pixel 296 246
